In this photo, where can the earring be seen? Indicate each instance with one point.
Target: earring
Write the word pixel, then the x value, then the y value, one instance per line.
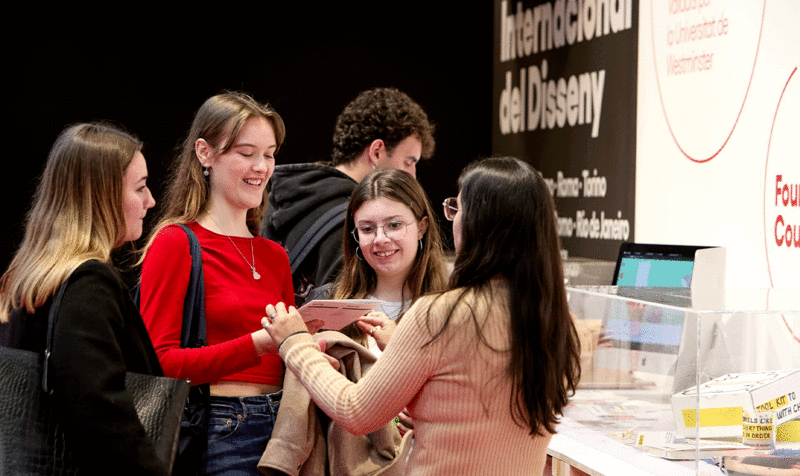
pixel 420 244
pixel 360 257
pixel 205 170
pixel 373 167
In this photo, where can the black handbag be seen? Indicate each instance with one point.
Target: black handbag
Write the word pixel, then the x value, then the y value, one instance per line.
pixel 193 438
pixel 32 440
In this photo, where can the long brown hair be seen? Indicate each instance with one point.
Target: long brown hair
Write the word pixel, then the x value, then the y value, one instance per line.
pixel 76 215
pixel 218 121
pixel 508 230
pixel 357 279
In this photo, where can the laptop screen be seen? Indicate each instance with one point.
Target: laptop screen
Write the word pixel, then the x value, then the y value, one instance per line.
pixel 655 265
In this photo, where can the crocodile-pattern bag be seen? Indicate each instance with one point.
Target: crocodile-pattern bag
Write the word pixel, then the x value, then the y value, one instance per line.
pixel 32 440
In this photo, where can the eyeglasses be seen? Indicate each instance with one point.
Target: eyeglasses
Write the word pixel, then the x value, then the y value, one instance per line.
pixel 450 208
pixel 394 230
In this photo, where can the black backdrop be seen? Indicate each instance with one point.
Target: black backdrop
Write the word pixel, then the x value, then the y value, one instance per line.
pixel 607 154
pixel 150 74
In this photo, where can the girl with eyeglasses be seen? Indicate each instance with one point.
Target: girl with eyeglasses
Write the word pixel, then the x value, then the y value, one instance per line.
pixel 484 368
pixel 392 252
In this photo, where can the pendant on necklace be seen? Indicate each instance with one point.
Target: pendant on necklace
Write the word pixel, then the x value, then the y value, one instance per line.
pixel 256 276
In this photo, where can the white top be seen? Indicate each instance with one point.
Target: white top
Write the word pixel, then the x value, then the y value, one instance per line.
pixel 393 309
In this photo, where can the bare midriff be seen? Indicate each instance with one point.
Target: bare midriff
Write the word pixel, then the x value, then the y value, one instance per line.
pixel 230 388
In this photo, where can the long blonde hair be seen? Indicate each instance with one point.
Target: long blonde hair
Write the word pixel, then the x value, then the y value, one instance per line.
pixel 77 213
pixel 218 121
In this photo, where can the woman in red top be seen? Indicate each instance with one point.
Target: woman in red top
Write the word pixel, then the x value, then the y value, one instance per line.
pixel 218 189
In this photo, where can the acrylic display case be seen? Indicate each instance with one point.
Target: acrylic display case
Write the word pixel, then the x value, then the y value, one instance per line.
pixel 661 366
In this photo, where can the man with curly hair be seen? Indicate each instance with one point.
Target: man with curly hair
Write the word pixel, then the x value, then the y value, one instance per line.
pixel 381 128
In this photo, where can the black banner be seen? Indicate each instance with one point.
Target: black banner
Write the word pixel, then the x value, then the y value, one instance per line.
pixel 564 98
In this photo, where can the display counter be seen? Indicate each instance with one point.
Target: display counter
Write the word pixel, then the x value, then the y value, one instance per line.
pixel 673 379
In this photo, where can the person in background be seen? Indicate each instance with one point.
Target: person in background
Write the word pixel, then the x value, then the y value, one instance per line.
pixel 91 199
pixel 493 360
pixel 381 128
pixel 218 189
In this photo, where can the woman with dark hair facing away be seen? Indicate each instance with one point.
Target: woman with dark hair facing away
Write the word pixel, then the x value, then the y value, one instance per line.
pixel 91 199
pixel 485 368
pixel 218 189
pixel 392 250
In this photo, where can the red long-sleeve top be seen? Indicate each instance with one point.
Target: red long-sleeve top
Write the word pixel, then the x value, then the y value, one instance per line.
pixel 234 304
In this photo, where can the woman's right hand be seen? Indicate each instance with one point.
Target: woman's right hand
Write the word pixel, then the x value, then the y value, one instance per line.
pixel 282 322
pixel 265 345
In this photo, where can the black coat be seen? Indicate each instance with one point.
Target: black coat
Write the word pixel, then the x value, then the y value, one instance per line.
pixel 99 335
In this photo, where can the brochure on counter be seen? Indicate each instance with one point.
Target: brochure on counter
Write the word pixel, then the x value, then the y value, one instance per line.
pixel 337 313
pixel 706 449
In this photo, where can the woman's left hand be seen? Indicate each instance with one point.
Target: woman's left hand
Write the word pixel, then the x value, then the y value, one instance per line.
pixel 281 322
pixel 379 326
pixel 404 422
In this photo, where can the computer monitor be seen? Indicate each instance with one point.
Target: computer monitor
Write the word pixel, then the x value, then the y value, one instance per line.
pixel 642 341
pixel 640 264
pixel 658 344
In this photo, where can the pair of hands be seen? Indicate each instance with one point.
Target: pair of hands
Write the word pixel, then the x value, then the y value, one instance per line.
pixel 280 323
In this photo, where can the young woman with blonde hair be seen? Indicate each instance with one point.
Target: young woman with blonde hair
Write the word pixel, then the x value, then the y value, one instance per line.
pixel 91 199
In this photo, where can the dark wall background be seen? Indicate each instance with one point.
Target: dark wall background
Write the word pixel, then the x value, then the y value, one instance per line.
pixel 150 74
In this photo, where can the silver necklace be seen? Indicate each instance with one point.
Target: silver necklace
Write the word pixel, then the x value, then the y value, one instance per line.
pixel 256 276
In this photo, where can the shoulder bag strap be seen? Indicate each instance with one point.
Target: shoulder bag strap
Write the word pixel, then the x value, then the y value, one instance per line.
pixel 193 325
pixel 193 329
pixel 51 325
pixel 324 224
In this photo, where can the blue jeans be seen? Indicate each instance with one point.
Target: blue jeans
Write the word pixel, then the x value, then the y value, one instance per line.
pixel 238 431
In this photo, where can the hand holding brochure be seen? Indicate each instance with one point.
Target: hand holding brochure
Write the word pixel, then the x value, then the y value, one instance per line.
pixel 337 313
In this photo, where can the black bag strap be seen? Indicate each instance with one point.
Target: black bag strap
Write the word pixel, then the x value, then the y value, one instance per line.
pixel 324 224
pixel 193 324
pixel 193 327
pixel 51 325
